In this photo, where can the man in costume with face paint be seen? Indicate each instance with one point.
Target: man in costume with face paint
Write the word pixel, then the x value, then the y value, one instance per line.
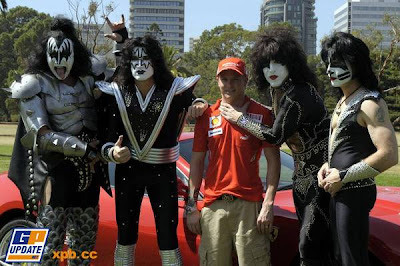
pixel 54 161
pixel 302 122
pixel 234 215
pixel 362 145
pixel 145 115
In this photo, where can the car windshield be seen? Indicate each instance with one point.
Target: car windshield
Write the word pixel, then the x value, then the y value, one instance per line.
pixel 287 164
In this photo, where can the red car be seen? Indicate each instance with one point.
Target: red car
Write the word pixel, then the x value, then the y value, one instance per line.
pixel 384 244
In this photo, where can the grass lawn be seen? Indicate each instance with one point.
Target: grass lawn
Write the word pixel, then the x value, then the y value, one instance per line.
pixel 390 177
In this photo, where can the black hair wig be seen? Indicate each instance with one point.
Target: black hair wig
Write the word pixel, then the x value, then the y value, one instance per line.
pixel 346 47
pixel 279 44
pixel 61 28
pixel 162 76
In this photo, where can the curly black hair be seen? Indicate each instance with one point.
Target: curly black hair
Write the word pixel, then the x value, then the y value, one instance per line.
pixel 162 76
pixel 279 43
pixel 346 47
pixel 61 28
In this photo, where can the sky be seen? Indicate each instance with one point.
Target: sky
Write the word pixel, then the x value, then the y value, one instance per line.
pixel 200 15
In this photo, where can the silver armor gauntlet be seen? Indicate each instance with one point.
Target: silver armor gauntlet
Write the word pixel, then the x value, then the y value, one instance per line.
pixel 253 127
pixel 358 171
pixel 63 143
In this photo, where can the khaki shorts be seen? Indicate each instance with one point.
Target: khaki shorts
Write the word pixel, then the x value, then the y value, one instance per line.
pixel 228 226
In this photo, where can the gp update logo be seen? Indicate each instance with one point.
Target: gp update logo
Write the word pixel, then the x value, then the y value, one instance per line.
pixel 26 245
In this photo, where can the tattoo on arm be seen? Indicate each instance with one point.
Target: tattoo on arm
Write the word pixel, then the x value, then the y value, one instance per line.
pixel 380 115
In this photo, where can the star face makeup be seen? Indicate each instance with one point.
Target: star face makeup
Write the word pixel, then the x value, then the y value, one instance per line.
pixel 141 66
pixel 275 73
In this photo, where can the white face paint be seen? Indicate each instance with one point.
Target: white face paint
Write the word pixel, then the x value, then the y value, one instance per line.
pixel 339 72
pixel 141 66
pixel 275 73
pixel 60 57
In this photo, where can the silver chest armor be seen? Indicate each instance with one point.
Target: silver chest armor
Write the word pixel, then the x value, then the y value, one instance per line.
pixel 71 109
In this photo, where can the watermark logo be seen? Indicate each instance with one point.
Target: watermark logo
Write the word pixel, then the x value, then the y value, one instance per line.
pixel 27 245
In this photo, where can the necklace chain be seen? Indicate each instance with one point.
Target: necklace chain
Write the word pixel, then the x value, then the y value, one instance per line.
pixel 338 109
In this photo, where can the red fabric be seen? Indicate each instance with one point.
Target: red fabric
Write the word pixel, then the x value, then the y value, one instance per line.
pixel 234 154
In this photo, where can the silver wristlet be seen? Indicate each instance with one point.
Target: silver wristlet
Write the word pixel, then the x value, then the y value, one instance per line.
pixel 62 143
pixel 107 152
pixel 251 126
pixel 201 100
pixel 359 171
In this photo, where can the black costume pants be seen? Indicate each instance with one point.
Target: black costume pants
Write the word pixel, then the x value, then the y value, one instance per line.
pixel 132 180
pixel 350 225
pixel 312 209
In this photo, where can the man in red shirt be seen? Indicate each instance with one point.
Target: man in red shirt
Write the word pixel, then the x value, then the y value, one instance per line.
pixel 234 213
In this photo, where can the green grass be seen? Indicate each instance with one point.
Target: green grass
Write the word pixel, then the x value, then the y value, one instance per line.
pixel 5 156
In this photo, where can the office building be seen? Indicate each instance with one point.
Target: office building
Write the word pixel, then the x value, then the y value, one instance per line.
pixel 358 15
pixel 299 13
pixel 169 15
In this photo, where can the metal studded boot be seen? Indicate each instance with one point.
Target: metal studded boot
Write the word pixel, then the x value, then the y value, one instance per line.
pixel 82 232
pixel 171 257
pixel 54 219
pixel 124 255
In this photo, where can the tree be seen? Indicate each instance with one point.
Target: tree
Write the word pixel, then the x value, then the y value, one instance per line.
pixel 173 60
pixel 88 26
pixel 20 28
pixel 214 45
pixel 155 30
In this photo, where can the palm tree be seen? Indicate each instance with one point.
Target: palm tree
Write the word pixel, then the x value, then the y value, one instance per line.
pixel 172 59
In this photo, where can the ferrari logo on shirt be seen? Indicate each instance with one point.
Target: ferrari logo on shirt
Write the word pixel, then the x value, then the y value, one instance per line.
pixel 215 121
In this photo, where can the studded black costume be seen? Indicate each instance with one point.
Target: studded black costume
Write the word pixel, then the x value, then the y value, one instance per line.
pixel 303 123
pixel 151 128
pixel 351 205
pixel 50 161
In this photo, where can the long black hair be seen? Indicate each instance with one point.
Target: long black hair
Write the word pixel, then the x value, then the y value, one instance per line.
pixel 346 47
pixel 279 43
pixel 162 76
pixel 61 28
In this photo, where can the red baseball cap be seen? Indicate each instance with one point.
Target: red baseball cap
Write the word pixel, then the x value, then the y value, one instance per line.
pixel 232 63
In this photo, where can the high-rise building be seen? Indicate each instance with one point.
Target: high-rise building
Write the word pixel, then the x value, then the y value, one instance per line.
pixel 169 15
pixel 299 13
pixel 192 43
pixel 357 15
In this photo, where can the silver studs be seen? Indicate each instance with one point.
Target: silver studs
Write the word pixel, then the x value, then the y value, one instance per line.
pixel 31 170
pixel 30 152
pixel 33 201
pixel 28 212
pixel 30 158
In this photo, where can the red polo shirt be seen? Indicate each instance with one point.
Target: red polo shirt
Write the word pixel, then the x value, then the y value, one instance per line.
pixel 234 153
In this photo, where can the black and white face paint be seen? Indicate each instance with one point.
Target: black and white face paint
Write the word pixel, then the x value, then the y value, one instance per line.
pixel 339 72
pixel 141 66
pixel 275 73
pixel 60 57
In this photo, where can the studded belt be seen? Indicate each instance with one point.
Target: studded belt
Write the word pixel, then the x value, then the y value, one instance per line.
pixel 159 156
pixel 227 197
